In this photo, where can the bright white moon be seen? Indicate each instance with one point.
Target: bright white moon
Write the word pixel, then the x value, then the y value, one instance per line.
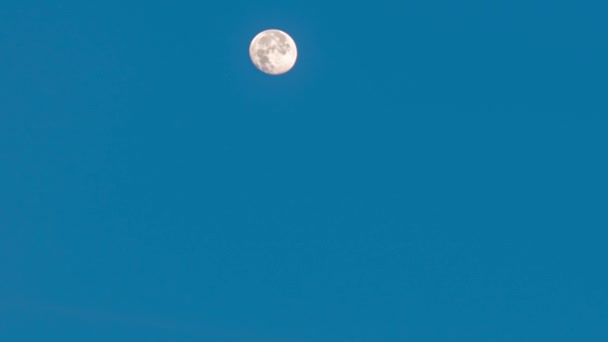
pixel 273 52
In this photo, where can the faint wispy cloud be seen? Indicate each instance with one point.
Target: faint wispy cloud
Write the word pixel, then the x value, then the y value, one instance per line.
pixel 192 329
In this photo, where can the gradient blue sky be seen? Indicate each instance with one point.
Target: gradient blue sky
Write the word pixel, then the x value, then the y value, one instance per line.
pixel 429 171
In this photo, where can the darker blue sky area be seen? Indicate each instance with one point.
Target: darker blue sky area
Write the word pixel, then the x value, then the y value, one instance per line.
pixel 428 171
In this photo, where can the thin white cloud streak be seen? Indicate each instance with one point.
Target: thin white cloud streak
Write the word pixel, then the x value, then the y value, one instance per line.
pixel 190 329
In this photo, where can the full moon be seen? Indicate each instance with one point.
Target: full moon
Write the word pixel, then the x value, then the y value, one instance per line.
pixel 273 52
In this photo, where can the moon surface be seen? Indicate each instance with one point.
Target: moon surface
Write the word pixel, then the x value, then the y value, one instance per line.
pixel 273 52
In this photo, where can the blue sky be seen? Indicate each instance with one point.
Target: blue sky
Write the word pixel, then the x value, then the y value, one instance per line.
pixel 428 171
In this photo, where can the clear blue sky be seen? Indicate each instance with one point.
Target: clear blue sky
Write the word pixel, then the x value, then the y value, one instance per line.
pixel 429 171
